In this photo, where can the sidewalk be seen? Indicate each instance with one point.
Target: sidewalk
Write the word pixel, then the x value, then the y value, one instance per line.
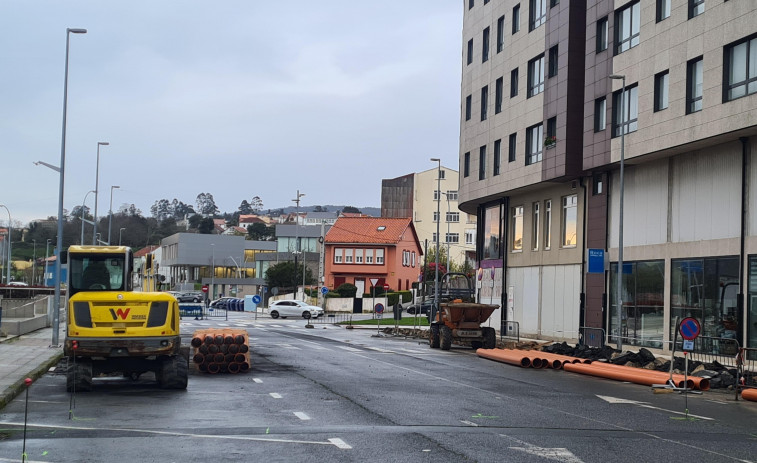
pixel 26 356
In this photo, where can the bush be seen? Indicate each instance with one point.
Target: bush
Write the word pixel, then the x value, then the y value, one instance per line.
pixel 347 290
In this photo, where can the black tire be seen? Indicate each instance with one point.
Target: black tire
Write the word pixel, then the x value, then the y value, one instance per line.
pixel 306 315
pixel 274 314
pixel 173 373
pixel 78 375
pixel 490 337
pixel 411 310
pixel 476 344
pixel 446 335
pixel 433 336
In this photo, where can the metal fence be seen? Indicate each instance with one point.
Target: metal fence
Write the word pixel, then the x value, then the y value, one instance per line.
pixel 747 367
pixel 707 349
pixel 332 318
pixel 509 330
pixel 592 337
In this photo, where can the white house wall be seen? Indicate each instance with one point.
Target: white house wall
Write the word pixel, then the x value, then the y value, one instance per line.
pixel 560 289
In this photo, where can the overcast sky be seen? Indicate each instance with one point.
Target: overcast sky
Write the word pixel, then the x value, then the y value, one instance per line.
pixel 233 98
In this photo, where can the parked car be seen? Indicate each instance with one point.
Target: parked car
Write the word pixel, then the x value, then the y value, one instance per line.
pixel 293 308
pixel 17 283
pixel 421 308
pixel 189 297
pixel 221 303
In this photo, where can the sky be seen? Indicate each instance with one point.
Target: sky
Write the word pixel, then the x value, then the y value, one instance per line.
pixel 233 98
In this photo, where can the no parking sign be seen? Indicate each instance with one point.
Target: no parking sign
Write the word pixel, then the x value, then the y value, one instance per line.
pixel 689 329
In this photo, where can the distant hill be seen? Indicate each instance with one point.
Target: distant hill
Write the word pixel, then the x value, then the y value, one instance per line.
pixel 372 211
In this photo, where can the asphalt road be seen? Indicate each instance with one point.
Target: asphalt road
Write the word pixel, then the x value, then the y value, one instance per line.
pixel 331 394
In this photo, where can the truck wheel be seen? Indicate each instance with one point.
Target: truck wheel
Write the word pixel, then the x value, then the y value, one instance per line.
pixel 173 373
pixel 446 337
pixel 433 336
pixel 79 375
pixel 490 337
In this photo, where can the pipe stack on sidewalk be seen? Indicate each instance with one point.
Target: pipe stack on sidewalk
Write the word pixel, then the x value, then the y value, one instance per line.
pixel 532 359
pixel 221 351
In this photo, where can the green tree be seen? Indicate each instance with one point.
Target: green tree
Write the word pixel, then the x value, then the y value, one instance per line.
pixel 351 209
pixel 244 208
pixel 206 205
pixel 285 275
pixel 260 232
pixel 206 226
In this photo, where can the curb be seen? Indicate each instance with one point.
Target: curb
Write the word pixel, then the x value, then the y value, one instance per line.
pixel 16 388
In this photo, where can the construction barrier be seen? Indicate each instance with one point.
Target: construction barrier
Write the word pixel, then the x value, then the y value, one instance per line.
pixel 221 351
pixel 747 373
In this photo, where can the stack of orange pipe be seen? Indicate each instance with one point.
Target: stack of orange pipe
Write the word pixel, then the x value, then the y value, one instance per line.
pixel 221 351
pixel 749 394
pixel 521 358
pixel 636 375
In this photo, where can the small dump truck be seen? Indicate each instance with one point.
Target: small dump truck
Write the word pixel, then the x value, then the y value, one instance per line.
pixel 113 329
pixel 460 317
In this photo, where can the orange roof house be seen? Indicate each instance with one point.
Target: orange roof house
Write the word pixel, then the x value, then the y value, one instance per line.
pixel 358 249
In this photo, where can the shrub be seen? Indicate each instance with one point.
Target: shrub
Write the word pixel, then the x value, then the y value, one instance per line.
pixel 347 290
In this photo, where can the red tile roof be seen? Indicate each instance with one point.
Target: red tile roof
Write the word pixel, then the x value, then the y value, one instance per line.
pixel 145 251
pixel 366 230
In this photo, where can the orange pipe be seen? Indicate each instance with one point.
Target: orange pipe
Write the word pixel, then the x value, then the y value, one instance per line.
pixel 749 394
pixel 501 355
pixel 694 382
pixel 564 358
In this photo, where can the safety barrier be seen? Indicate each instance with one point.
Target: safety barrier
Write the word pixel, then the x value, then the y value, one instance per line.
pixel 747 368
pixel 191 310
pixel 708 349
pixel 509 330
pixel 332 318
pixel 592 337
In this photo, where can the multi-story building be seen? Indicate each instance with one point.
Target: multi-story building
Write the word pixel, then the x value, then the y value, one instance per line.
pixel 567 89
pixel 421 196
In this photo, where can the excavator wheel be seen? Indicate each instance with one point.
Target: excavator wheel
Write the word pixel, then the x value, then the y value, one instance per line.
pixel 78 375
pixel 173 373
pixel 446 333
pixel 490 337
pixel 434 336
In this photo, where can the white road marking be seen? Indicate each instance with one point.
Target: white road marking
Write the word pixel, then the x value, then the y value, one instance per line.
pixel 223 324
pixel 469 423
pixel 616 400
pixel 275 395
pixel 383 351
pixel 46 402
pixel 557 454
pixel 257 380
pixel 301 416
pixel 340 443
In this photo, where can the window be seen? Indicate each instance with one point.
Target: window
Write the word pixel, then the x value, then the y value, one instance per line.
pixel 497 156
pixel 627 28
pixel 516 18
pixel 338 255
pixel 600 111
pixel 486 1
pixel 514 83
pixel 379 256
pixel 626 118
pixel 551 139
pixel 466 164
pixel 482 163
pixel 470 52
pixel 741 69
pixel 535 226
pixel 547 224
pixel 437 195
pixel 694 85
pixel 485 46
pixel 517 229
pixel 601 35
pixel 537 13
pixel 484 101
pixel 433 238
pixel 441 174
pixel 536 76
pixel 358 256
pixel 452 195
pixel 511 147
pixel 696 7
pixel 597 186
pixel 436 216
pixel 467 107
pixel 661 91
pixel 534 137
pixel 553 3
pixel 553 61
pixel 369 256
pixel 500 33
pixel 643 286
pixel 452 237
pixel 348 256
pixel 492 239
pixel 470 4
pixel 453 217
pixel 470 236
pixel 569 221
pixel 663 10
pixel 498 95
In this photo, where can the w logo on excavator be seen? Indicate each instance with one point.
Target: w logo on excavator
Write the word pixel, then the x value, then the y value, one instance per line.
pixel 120 313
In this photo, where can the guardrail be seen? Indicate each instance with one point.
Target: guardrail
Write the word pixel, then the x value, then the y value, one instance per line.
pixel 509 330
pixel 332 318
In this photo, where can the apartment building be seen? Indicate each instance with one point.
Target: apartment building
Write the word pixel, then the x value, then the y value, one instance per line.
pixel 566 88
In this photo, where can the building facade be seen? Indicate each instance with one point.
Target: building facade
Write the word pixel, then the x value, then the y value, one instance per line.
pixel 567 87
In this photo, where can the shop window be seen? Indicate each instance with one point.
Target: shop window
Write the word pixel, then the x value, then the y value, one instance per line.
pixel 643 312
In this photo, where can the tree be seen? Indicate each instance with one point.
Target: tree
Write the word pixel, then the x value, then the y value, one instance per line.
pixel 181 210
pixel 256 204
pixel 245 208
pixel 285 275
pixel 260 232
pixel 194 221
pixel 351 209
pixel 206 226
pixel 161 210
pixel 206 205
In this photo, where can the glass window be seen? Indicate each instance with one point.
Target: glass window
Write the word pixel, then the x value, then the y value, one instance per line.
pixel 511 147
pixel 468 107
pixel 553 3
pixel 466 164
pixel 597 185
pixel 569 221
pixel 517 229
pixel 485 46
pixel 500 33
pixel 498 95
pixel 452 237
pixel 470 4
pixel 547 224
pixel 600 110
pixel 516 18
pixel 553 61
pixel 452 195
pixel 551 138
pixel 535 226
pixel 514 82
pixel 694 83
pixel 484 101
pixel 643 313
pixel 379 256
pixel 625 119
pixel 497 156
pixel 358 256
pixel 436 216
pixel 482 163
pixel 348 256
pixel 536 76
pixel 741 69
pixel 663 10
pixel 534 137
pixel 602 34
pixel 470 52
pixel 338 255
pixel 661 91
pixel 537 13
pixel 696 7
pixel 470 236
pixel 627 22
pixel 491 238
pixel 751 334
pixel 453 217
pixel 369 256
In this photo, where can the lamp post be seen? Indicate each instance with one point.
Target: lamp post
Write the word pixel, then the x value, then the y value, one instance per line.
pixel 10 235
pixel 97 185
pixel 623 129
pixel 62 168
pixel 296 244
pixel 47 248
pixel 448 235
pixel 82 215
pixel 438 219
pixel 110 211
pixel 120 230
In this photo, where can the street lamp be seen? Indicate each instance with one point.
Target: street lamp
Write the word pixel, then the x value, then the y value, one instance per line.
pixel 120 230
pixel 58 262
pixel 296 244
pixel 623 129
pixel 10 234
pixel 110 211
pixel 82 215
pixel 438 212
pixel 97 184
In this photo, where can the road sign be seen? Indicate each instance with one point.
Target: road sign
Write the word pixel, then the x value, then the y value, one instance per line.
pixel 386 287
pixel 204 288
pixel 379 308
pixel 689 328
pixel 324 290
pixel 374 281
pixel 596 261
pixel 256 299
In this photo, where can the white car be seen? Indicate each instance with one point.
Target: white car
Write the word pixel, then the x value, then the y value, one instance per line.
pixel 292 308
